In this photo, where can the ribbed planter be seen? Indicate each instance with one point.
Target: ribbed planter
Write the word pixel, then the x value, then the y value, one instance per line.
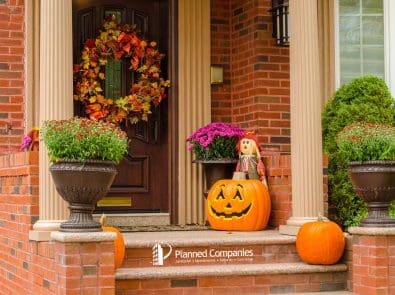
pixel 81 185
pixel 374 182
pixel 217 169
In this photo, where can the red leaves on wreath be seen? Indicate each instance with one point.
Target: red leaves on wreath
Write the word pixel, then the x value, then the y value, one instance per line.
pixel 126 48
pixel 76 68
pixel 135 63
pixel 118 54
pixel 135 40
pixel 121 36
pixel 90 43
pixel 97 115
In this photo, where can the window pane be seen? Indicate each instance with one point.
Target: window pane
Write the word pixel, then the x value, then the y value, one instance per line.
pixel 116 14
pixel 373 61
pixel 349 30
pixel 349 7
pixel 372 30
pixel 112 84
pixel 372 6
pixel 361 38
pixel 350 61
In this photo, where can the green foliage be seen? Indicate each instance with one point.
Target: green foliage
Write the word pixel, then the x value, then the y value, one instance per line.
pixel 365 99
pixel 367 141
pixel 83 139
pixel 220 148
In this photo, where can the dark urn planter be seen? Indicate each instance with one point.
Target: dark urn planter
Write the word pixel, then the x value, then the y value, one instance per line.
pixel 82 185
pixel 374 182
pixel 215 170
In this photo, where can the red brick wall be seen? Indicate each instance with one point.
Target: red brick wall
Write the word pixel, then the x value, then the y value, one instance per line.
pixel 11 74
pixel 85 268
pixel 30 267
pixel 373 269
pixel 278 170
pixel 256 71
pixel 25 266
pixel 221 100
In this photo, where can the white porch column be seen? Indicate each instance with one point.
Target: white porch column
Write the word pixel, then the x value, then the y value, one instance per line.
pixel 194 102
pixel 306 143
pixel 56 102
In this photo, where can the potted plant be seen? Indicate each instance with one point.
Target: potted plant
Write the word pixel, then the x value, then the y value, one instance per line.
pixel 214 146
pixel 83 153
pixel 367 99
pixel 370 150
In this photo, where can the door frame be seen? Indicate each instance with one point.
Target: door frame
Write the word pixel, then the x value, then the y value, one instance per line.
pixel 32 14
pixel 173 112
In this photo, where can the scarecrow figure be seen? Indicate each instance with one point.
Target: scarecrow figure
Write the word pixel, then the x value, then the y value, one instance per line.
pixel 250 162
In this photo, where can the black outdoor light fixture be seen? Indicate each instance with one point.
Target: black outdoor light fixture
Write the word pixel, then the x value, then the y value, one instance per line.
pixel 280 13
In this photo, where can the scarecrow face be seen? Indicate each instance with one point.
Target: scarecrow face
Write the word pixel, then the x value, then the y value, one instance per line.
pixel 247 146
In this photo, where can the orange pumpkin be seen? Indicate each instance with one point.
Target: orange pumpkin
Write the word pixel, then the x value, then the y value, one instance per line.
pixel 320 242
pixel 119 243
pixel 238 205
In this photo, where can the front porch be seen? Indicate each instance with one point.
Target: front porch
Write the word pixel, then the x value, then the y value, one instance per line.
pixel 264 262
pixel 260 81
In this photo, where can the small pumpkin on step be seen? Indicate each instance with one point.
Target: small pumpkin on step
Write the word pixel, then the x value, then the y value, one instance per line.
pixel 320 242
pixel 119 243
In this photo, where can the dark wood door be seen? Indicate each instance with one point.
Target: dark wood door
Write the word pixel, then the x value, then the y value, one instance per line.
pixel 142 182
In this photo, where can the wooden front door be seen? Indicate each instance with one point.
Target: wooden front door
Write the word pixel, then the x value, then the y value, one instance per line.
pixel 142 184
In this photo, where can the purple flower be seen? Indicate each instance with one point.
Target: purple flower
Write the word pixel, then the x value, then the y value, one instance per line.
pixel 215 140
pixel 205 135
pixel 26 141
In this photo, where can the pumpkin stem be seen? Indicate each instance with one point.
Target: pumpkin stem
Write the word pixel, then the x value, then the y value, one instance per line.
pixel 102 220
pixel 320 217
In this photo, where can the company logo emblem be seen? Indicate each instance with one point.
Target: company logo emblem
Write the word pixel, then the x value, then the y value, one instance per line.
pixel 157 253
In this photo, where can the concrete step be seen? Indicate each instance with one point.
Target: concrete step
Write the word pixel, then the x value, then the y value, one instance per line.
pixel 209 248
pixel 268 278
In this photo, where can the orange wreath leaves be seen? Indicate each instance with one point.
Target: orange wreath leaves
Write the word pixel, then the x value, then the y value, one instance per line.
pixel 116 41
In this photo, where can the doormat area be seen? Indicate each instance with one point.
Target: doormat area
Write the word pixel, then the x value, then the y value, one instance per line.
pixel 156 228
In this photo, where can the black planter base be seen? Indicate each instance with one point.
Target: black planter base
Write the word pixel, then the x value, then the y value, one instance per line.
pixel 80 219
pixel 374 182
pixel 81 185
pixel 215 170
pixel 378 216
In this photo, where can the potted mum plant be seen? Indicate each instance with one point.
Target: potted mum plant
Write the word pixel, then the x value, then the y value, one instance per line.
pixel 214 146
pixel 370 150
pixel 83 153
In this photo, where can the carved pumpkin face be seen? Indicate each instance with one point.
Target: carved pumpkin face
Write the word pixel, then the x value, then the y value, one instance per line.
pixel 238 205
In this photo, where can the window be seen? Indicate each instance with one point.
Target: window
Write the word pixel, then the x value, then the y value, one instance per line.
pixel 364 40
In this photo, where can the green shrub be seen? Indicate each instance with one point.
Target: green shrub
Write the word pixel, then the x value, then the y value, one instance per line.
pixel 365 99
pixel 82 139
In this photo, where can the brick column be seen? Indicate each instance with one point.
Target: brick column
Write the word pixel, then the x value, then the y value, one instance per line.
pixel 56 101
pixel 84 262
pixel 373 262
pixel 306 142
